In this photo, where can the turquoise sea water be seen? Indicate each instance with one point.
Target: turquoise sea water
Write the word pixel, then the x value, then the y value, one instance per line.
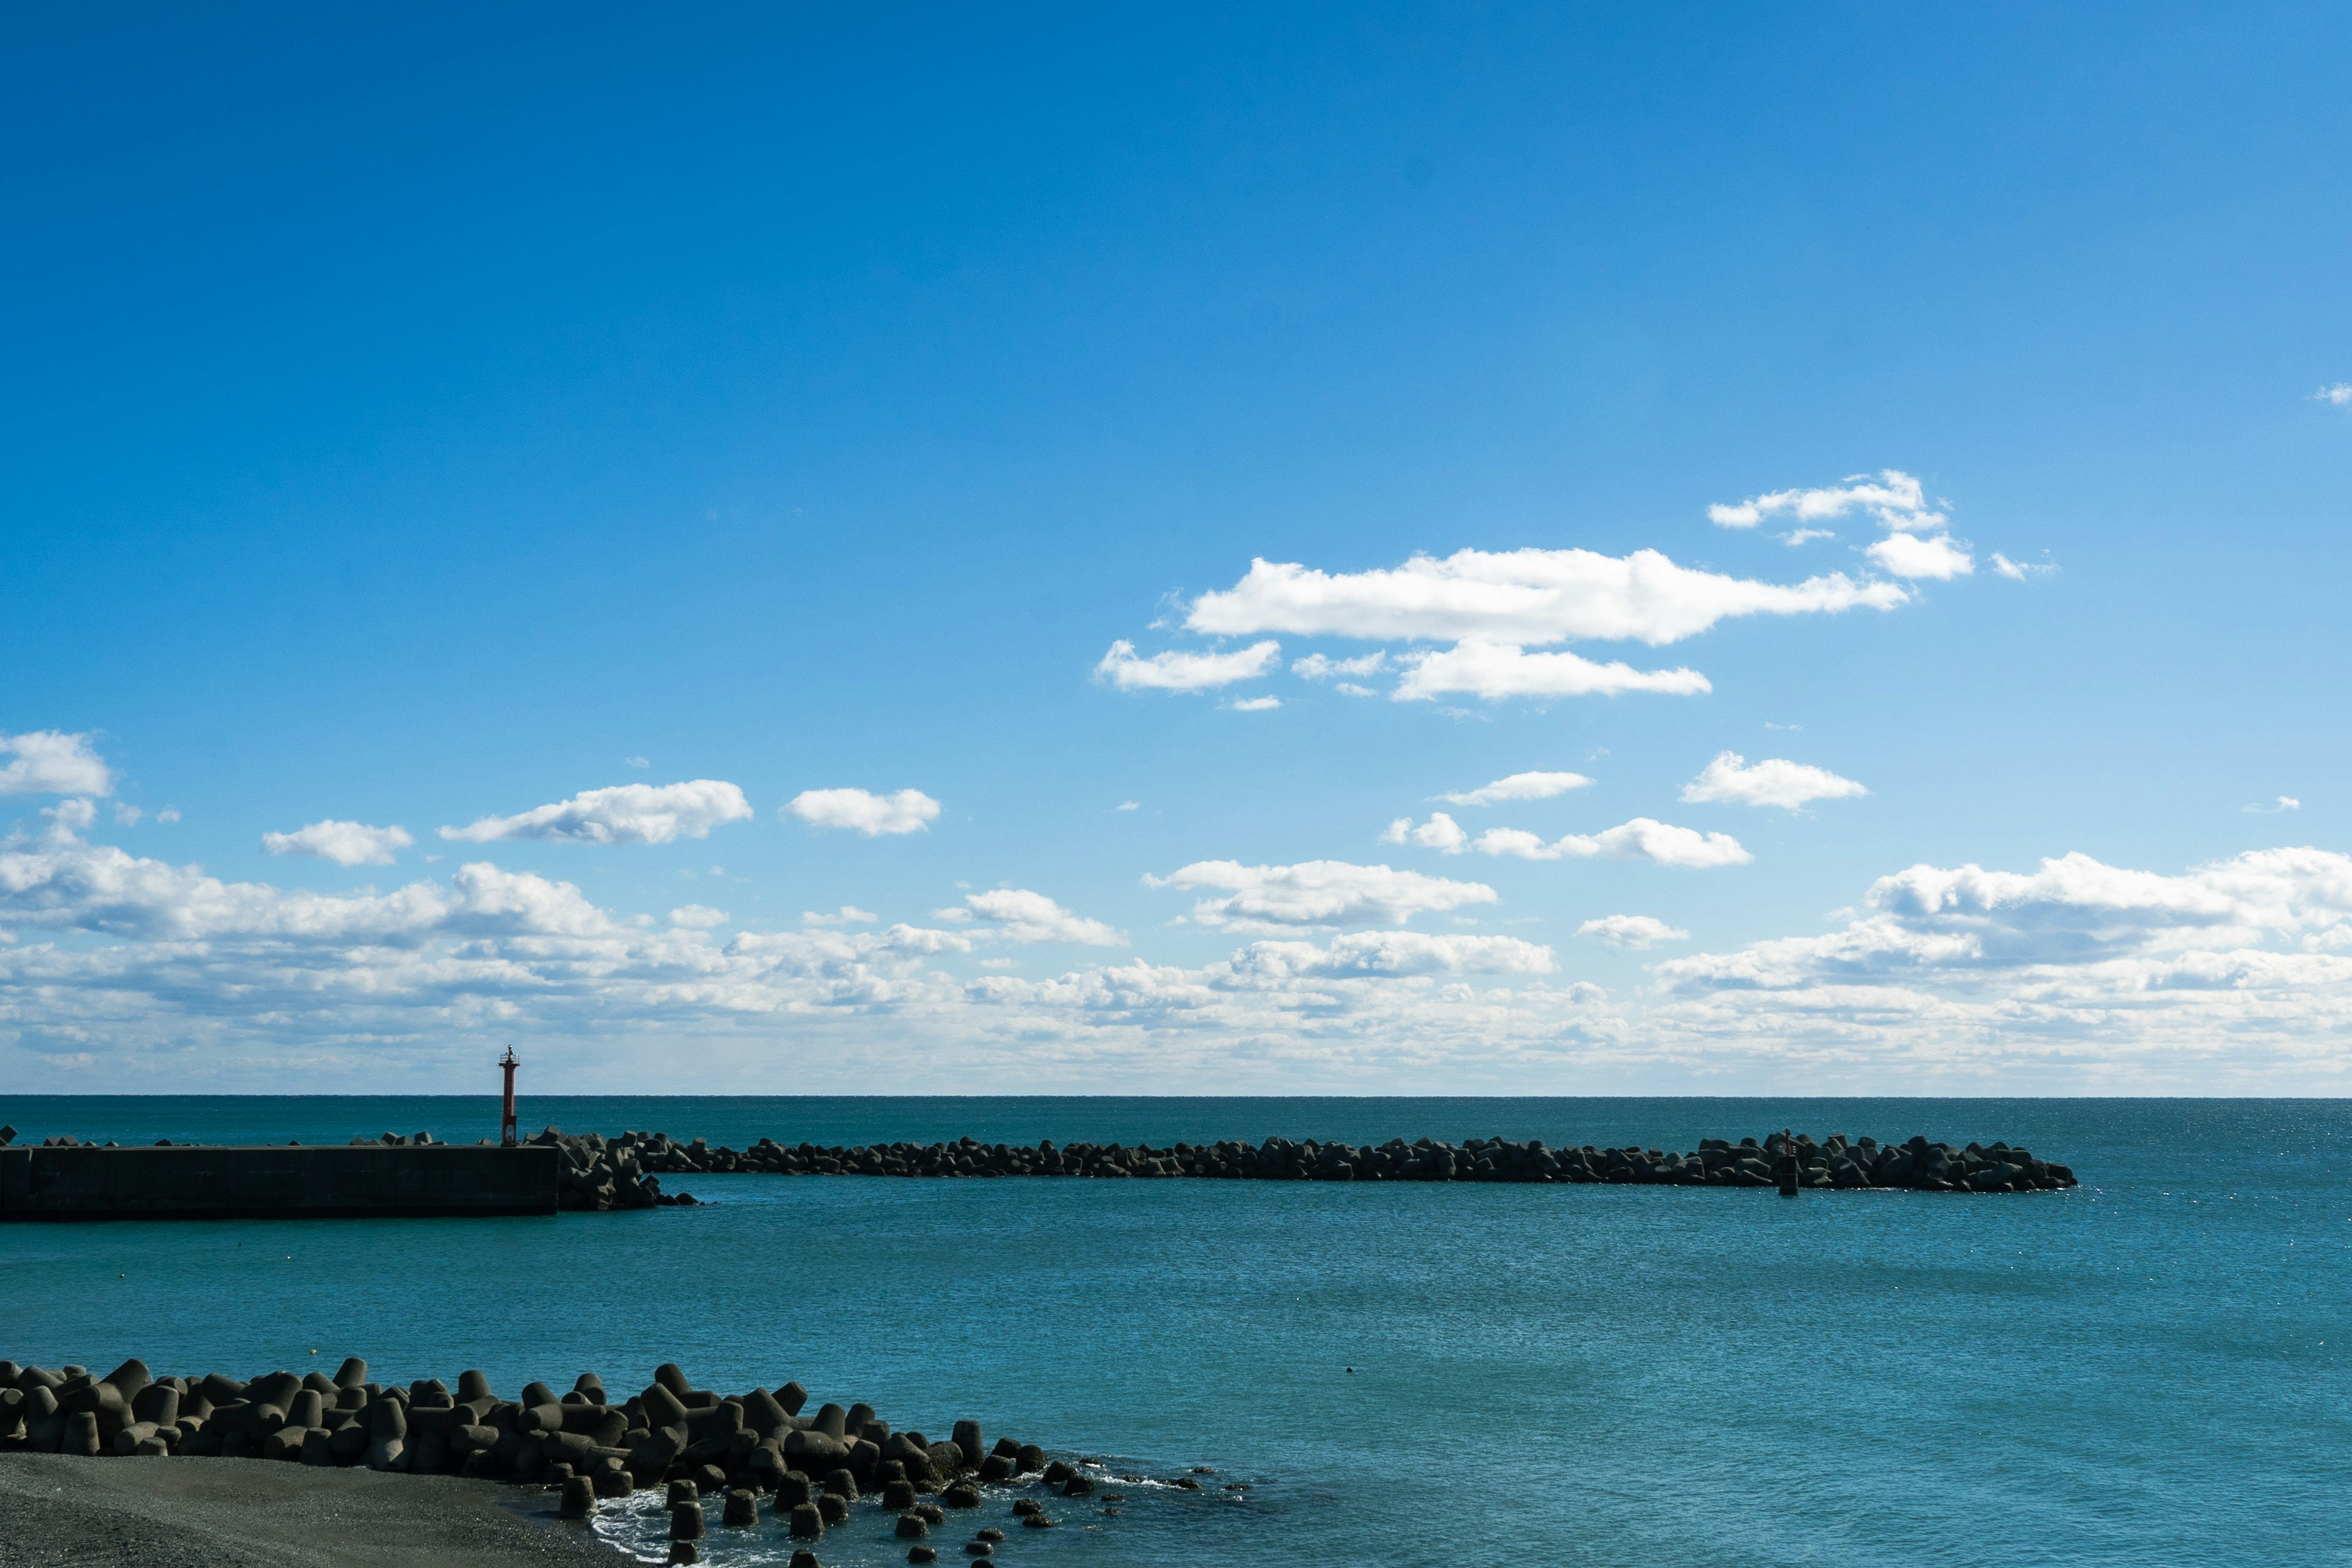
pixel 2150 1369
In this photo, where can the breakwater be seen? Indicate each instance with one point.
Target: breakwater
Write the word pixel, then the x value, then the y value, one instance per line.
pixel 593 1162
pixel 64 1180
pixel 752 1452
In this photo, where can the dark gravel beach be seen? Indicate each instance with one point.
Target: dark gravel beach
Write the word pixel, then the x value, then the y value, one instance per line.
pixel 226 1513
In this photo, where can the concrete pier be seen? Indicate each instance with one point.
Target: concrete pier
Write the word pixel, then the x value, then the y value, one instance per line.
pixel 291 1182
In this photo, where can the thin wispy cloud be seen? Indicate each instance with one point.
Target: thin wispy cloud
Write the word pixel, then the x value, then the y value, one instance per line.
pixel 1519 786
pixel 623 813
pixel 1176 670
pixel 1317 893
pixel 1895 499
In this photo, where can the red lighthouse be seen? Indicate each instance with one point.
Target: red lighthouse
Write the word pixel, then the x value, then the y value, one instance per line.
pixel 507 1120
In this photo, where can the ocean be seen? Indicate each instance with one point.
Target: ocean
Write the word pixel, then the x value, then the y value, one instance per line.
pixel 2149 1369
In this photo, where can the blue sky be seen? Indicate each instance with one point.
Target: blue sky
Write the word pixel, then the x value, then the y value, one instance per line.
pixel 419 421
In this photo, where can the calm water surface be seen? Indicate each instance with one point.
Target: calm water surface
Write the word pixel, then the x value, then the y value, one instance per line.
pixel 2147 1370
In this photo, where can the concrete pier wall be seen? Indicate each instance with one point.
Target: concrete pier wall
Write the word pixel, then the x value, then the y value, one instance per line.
pixel 294 1182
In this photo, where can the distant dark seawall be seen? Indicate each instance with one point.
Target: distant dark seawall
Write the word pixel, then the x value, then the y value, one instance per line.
pixel 284 1182
pixel 602 1173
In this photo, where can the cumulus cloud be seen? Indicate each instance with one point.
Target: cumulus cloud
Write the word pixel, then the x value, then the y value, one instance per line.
pixel 1128 805
pixel 1317 893
pixel 1640 839
pixel 908 810
pixel 1908 555
pixel 698 917
pixel 2233 977
pixel 1772 782
pixel 1441 832
pixel 52 762
pixel 60 880
pixel 1519 597
pixel 1018 915
pixel 1633 931
pixel 1807 535
pixel 1895 499
pixel 1495 670
pixel 848 914
pixel 1178 672
pixel 2018 571
pixel 1255 705
pixel 2281 803
pixel 2073 913
pixel 1519 786
pixel 2337 397
pixel 344 843
pixel 624 813
pixel 1316 667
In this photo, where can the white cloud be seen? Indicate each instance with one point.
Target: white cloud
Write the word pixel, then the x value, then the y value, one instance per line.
pixel 1640 839
pixel 1633 931
pixel 1519 786
pixel 848 914
pixel 1128 805
pixel 2338 395
pixel 1520 597
pixel 635 762
pixel 69 815
pixel 52 762
pixel 60 880
pixel 1441 832
pixel 1020 915
pixel 908 810
pixel 1316 667
pixel 1499 670
pixel 698 917
pixel 2018 571
pixel 1772 782
pixel 169 814
pixel 2073 913
pixel 1395 952
pixel 2283 803
pixel 1178 672
pixel 344 843
pixel 1255 705
pixel 1895 500
pixel 624 813
pixel 1349 688
pixel 2233 977
pixel 1317 893
pixel 1807 535
pixel 1908 555
pixel 127 814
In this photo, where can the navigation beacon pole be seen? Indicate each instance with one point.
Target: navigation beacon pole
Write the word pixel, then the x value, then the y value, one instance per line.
pixel 507 1122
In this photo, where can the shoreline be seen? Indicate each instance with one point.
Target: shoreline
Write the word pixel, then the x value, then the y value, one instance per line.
pixel 60 1510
